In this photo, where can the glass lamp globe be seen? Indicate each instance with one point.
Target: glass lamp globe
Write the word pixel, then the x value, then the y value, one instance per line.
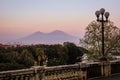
pixel 102 10
pixel 107 14
pixel 97 13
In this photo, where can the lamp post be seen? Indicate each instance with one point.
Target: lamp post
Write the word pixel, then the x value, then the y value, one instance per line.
pixel 103 15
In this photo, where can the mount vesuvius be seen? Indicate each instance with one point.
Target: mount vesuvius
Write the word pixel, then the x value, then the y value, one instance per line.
pixel 54 37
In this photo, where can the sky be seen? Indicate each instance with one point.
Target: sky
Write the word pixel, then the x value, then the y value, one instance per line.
pixel 19 18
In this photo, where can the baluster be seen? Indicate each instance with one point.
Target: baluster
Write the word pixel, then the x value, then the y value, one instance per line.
pixel 31 77
pixel 18 78
pixel 47 75
pixel 21 77
pixel 5 78
pixel 12 78
pixel 57 77
pixel 53 74
pixel 67 74
pixel 50 74
pixel 26 77
pixel 64 73
pixel 59 73
pixel 73 73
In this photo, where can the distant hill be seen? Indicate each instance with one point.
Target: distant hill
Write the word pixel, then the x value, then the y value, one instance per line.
pixel 55 37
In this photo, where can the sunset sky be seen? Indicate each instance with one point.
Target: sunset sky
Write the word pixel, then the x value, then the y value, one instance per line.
pixel 19 18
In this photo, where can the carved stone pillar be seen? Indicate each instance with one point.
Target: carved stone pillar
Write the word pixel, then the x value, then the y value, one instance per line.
pixel 105 68
pixel 36 76
pixel 38 72
pixel 83 67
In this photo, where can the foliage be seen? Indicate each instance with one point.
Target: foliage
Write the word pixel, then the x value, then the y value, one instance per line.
pixel 30 55
pixel 93 37
pixel 10 66
pixel 15 60
pixel 56 55
pixel 26 58
pixel 74 52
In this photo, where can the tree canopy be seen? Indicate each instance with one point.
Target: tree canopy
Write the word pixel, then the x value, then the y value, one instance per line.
pixel 93 37
pixel 27 56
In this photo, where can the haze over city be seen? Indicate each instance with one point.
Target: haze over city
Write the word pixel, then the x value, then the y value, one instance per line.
pixel 19 18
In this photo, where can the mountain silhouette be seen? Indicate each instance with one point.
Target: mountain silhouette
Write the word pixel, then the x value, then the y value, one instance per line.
pixel 54 37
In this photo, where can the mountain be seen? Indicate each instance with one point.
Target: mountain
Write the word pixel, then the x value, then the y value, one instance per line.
pixel 55 37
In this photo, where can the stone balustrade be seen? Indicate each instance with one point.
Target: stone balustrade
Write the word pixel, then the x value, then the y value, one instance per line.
pixel 79 71
pixel 66 72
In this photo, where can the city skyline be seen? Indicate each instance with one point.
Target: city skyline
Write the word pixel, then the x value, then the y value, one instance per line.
pixel 19 18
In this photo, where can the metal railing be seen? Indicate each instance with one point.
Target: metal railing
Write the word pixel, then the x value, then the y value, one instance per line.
pixel 94 70
pixel 115 67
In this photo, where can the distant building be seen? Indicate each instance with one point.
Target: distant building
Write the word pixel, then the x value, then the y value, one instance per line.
pixel 115 50
pixel 9 46
pixel 116 57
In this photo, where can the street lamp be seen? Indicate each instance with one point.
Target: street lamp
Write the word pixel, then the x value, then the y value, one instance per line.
pixel 106 15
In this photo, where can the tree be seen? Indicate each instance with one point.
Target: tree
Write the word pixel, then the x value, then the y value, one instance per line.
pixel 26 58
pixel 40 56
pixel 56 55
pixel 74 53
pixel 93 37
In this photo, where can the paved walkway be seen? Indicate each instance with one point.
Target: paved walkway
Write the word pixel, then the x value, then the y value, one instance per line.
pixel 113 77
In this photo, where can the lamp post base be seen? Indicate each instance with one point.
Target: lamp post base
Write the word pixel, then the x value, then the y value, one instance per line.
pixel 103 58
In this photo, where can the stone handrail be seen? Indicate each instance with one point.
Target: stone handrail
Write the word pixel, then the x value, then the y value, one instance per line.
pixel 62 72
pixel 79 71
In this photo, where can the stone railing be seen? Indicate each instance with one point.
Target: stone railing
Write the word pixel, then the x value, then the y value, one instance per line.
pixel 26 74
pixel 79 71
pixel 66 72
